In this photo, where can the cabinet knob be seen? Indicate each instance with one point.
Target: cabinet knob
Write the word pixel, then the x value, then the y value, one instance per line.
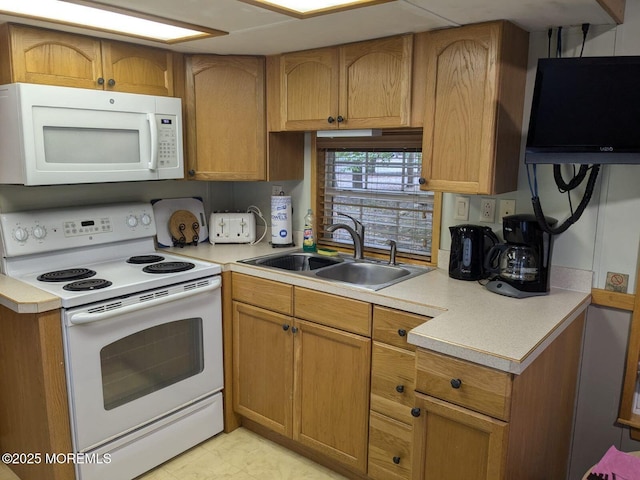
pixel 340 119
pixel 402 332
pixel 100 81
pixel 285 327
pixel 191 172
pixel 396 460
pixel 422 180
pixel 111 82
pixel 294 329
pixel 331 120
pixel 456 382
pixel 400 388
pixel 415 412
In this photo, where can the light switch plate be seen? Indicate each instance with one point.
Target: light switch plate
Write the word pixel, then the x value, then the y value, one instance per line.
pixel 461 209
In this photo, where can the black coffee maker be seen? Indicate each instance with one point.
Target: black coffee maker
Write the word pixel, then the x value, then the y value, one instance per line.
pixel 521 265
pixel 469 245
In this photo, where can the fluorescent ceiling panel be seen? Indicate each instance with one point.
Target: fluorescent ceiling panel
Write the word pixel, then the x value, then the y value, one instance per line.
pixel 108 19
pixel 312 8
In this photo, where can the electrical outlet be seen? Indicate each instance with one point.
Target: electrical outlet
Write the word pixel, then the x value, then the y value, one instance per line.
pixel 275 190
pixel 507 207
pixel 487 210
pixel 461 209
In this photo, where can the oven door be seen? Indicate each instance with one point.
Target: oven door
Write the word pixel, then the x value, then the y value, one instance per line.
pixel 131 361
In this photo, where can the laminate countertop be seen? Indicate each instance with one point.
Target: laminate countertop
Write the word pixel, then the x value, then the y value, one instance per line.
pixel 469 322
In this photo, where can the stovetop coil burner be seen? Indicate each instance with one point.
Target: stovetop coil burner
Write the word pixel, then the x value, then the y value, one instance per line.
pixel 66 275
pixel 84 285
pixel 168 267
pixel 141 259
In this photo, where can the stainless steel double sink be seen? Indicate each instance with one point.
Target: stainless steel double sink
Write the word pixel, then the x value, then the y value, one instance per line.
pixel 369 274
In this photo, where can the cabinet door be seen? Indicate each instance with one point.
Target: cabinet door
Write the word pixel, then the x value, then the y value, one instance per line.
pixel 459 114
pixel 54 58
pixel 475 79
pixel 309 89
pixel 451 443
pixel 226 130
pixel 331 392
pixel 263 367
pixel 136 69
pixel 375 83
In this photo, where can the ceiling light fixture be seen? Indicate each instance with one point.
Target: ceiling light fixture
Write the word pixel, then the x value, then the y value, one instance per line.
pixel 312 8
pixel 106 18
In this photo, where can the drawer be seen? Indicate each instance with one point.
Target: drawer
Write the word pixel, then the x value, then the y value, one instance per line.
pixel 393 372
pixel 333 311
pixel 390 448
pixel 391 326
pixel 481 389
pixel 274 296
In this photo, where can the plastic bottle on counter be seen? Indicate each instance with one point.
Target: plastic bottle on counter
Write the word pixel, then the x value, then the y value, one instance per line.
pixel 309 239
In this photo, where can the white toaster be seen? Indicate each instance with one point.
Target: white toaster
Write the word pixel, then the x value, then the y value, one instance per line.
pixel 232 227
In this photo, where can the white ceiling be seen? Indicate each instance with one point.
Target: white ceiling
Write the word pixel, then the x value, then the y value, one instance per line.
pixel 253 30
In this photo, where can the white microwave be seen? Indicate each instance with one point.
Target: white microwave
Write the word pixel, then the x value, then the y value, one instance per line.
pixel 59 135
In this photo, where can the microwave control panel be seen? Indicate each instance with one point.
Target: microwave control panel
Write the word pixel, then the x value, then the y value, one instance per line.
pixel 167 140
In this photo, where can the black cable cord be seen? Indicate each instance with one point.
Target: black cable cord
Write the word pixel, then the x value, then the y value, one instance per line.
pixel 585 30
pixel 537 208
pixel 559 43
pixel 549 34
pixel 574 182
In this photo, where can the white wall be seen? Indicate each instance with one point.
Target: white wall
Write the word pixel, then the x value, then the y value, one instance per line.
pixel 606 238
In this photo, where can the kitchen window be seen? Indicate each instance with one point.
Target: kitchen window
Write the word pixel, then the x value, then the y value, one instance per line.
pixel 376 181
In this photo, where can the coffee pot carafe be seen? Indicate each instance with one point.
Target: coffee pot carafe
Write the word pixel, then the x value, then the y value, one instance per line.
pixel 521 265
pixel 469 245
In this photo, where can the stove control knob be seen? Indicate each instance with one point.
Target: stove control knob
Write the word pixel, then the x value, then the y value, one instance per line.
pixel 20 234
pixel 132 221
pixel 39 232
pixel 145 219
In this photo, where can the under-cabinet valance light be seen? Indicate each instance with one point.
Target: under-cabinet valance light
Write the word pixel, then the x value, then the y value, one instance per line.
pixel 348 133
pixel 312 8
pixel 107 18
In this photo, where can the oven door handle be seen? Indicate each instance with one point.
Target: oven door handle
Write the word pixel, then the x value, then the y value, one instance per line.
pixel 82 318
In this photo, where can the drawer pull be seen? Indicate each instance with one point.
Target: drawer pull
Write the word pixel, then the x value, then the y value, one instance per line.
pixel 294 329
pixel 456 382
pixel 415 411
pixel 402 332
pixel 400 388
pixel 285 327
pixel 396 460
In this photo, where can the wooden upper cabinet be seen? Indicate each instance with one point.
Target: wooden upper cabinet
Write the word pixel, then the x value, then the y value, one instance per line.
pixel 360 85
pixel 475 81
pixel 226 130
pixel 35 55
pixel 137 69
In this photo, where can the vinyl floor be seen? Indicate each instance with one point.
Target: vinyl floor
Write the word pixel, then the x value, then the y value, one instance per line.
pixel 239 455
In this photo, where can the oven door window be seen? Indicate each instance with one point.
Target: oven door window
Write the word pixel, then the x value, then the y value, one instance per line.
pixel 150 360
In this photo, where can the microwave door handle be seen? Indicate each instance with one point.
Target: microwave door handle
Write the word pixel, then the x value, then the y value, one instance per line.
pixel 83 318
pixel 153 130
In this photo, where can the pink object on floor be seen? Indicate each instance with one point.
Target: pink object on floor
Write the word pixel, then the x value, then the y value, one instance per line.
pixel 620 464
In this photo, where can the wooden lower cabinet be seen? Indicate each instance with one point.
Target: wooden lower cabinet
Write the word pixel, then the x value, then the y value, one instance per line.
pixel 34 412
pixel 390 448
pixel 474 422
pixel 457 442
pixel 331 392
pixel 302 380
pixel 263 367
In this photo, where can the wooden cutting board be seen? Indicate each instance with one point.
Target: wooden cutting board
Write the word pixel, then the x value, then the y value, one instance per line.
pixel 184 228
pixel 164 208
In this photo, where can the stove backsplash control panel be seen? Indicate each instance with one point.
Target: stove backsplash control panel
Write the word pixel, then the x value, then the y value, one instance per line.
pixel 31 232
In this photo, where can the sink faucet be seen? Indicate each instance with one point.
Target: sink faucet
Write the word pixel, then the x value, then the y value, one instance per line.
pixel 357 235
pixel 392 252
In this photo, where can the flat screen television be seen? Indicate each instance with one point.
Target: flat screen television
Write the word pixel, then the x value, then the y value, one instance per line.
pixel 585 111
